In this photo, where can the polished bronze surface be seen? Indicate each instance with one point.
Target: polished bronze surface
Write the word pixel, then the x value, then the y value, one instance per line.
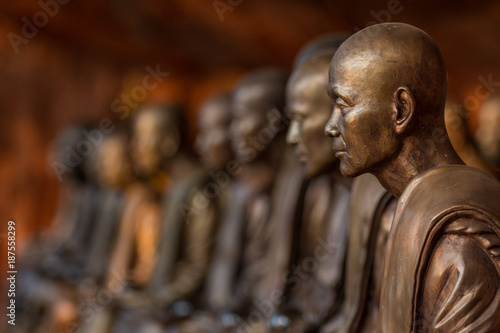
pixel 387 84
pixel 388 88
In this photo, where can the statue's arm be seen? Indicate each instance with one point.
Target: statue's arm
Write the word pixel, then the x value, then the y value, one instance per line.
pixel 146 234
pixel 199 243
pixel 253 252
pixel 461 291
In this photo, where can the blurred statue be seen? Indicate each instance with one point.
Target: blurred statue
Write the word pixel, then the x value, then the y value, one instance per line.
pixel 257 137
pixel 487 136
pixel 388 86
pixel 311 284
pixel 114 175
pixel 155 140
pixel 157 153
pixel 52 267
pixel 78 217
pixel 455 117
pixel 113 172
pixel 190 223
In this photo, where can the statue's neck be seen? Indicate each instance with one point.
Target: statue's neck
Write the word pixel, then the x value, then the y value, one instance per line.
pixel 413 159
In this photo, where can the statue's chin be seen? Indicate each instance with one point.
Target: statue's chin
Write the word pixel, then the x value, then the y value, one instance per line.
pixel 348 172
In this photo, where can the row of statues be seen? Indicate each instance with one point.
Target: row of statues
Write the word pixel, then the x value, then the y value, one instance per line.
pixel 330 200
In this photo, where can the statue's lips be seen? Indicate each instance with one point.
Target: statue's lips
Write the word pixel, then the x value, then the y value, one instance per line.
pixel 338 149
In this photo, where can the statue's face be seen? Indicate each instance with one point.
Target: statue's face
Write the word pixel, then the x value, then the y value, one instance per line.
pixel 361 123
pixel 248 124
pixel 114 168
pixel 153 140
pixel 309 108
pixel 212 141
pixel 488 132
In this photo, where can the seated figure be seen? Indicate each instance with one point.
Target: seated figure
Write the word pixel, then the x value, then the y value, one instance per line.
pixel 388 87
pixel 157 154
pixel 257 133
pixel 114 174
pixel 312 284
pixel 190 225
pixel 53 265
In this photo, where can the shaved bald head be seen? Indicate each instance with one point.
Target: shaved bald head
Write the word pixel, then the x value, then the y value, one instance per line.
pixel 400 55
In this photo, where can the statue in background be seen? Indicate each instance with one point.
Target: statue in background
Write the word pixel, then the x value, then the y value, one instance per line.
pixel 52 267
pixel 156 139
pixel 388 86
pixel 312 284
pixel 158 159
pixel 190 225
pixel 487 136
pixel 114 175
pixel 455 117
pixel 257 137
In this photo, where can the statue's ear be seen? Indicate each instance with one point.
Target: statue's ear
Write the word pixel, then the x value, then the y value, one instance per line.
pixel 404 108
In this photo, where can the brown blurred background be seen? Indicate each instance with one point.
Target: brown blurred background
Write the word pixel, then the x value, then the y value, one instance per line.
pixel 89 52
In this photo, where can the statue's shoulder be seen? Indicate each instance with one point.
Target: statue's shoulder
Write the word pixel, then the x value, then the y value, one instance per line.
pixel 482 232
pixel 452 192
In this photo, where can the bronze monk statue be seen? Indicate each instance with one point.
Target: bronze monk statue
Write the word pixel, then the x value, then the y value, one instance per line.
pixel 388 86
pixel 190 225
pixel 178 259
pixel 257 138
pixel 156 142
pixel 52 266
pixel 313 282
pixel 155 139
pixel 114 174
pixel 88 225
